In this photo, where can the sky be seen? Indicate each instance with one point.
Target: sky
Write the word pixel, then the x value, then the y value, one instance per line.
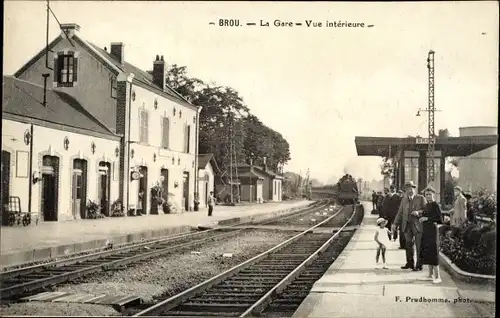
pixel 319 87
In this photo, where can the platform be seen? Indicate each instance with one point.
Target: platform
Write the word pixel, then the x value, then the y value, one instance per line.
pixel 353 287
pixel 46 240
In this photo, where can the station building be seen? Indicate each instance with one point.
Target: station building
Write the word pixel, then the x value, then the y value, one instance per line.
pixel 206 177
pixel 122 118
pixel 410 156
pixel 55 155
pixel 256 184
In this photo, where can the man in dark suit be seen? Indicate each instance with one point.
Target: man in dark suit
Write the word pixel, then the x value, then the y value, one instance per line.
pixel 407 219
pixel 390 207
pixel 402 242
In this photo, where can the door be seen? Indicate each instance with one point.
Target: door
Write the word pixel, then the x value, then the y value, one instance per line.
pixel 206 194
pixel 5 185
pixel 164 183
pixel 104 186
pixel 48 198
pixel 143 189
pixel 5 177
pixel 76 197
pixel 80 188
pixel 185 192
pixel 50 188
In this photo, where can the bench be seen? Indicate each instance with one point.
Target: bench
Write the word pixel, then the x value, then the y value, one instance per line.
pixel 16 216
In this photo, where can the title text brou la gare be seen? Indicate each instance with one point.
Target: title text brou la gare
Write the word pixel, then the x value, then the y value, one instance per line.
pixel 307 23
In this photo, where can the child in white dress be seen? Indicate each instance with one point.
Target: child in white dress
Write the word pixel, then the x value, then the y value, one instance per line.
pixel 382 239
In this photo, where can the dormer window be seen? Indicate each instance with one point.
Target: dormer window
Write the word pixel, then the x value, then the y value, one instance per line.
pixel 66 69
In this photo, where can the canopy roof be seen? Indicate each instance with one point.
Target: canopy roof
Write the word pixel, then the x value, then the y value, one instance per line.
pixel 450 146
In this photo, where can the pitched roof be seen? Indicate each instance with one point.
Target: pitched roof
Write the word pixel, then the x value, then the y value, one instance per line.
pixel 25 99
pixel 249 174
pixel 140 76
pixel 204 159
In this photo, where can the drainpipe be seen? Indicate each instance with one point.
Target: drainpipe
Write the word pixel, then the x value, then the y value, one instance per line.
pixel 30 189
pixel 197 184
pixel 127 141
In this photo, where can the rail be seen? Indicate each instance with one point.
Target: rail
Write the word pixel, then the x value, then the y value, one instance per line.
pixel 178 299
pixel 260 305
pixel 31 278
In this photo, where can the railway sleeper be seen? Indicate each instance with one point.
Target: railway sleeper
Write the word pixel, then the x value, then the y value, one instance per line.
pixel 265 273
pixel 220 306
pixel 231 295
pixel 294 255
pixel 259 276
pixel 198 314
pixel 239 284
pixel 210 300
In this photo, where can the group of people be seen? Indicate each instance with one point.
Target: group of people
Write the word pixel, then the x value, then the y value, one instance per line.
pixel 417 218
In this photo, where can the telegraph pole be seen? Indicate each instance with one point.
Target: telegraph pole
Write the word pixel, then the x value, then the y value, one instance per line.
pixel 431 109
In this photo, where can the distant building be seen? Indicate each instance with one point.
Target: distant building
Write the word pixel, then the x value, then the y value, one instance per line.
pixel 479 170
pixel 257 184
pixel 206 177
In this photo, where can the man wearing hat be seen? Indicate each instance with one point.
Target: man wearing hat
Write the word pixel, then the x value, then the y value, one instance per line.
pixel 407 220
pixel 459 212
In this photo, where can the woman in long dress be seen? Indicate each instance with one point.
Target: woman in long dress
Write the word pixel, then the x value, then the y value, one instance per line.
pixel 430 217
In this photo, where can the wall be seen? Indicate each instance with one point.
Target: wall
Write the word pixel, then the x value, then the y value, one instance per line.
pixel 276 189
pixel 208 171
pixel 174 159
pixel 47 141
pixel 93 88
pixel 479 170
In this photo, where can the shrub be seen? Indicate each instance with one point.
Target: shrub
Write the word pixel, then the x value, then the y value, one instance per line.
pixel 484 204
pixel 477 258
pixel 117 209
pixel 489 241
pixel 94 210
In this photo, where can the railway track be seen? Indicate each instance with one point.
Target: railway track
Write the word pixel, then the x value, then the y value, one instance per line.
pixel 30 279
pixel 248 288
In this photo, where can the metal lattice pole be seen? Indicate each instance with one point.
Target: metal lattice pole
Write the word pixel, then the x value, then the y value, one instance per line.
pixel 431 112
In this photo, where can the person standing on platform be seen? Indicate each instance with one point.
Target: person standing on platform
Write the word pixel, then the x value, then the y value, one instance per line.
pixel 459 212
pixel 381 237
pixel 210 203
pixel 374 200
pixel 380 199
pixel 402 242
pixel 430 217
pixel 390 207
pixel 407 220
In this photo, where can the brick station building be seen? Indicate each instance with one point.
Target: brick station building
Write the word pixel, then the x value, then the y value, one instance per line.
pixel 107 131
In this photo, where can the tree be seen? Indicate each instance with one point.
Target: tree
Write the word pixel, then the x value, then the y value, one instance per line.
pixel 225 122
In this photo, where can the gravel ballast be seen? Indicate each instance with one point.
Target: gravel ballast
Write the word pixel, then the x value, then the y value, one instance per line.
pixel 163 277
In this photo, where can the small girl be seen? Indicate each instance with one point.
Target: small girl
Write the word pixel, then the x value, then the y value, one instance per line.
pixel 382 238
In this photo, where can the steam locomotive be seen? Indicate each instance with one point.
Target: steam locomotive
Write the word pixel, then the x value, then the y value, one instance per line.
pixel 347 190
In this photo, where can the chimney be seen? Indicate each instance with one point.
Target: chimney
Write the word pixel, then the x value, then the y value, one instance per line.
pixel 69 29
pixel 265 165
pixel 159 75
pixel 117 52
